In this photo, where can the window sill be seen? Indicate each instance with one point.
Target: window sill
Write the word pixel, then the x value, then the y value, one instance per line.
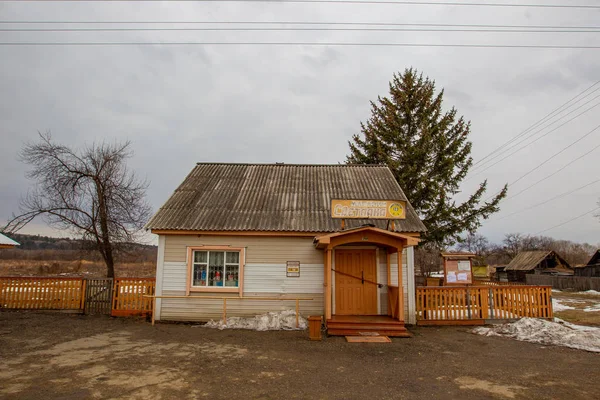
pixel 217 289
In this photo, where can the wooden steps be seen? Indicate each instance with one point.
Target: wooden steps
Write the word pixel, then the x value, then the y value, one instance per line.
pixel 361 325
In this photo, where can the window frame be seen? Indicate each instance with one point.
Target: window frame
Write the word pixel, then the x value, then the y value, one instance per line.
pixel 214 289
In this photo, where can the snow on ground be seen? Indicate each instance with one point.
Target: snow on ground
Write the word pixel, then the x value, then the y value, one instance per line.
pixel 271 321
pixel 557 305
pixel 595 307
pixel 591 292
pixel 546 333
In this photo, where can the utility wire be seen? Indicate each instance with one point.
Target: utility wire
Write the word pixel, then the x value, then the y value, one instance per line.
pixel 349 44
pixel 303 23
pixel 547 116
pixel 554 155
pixel 518 149
pixel 382 29
pixel 554 173
pixel 548 200
pixel 567 221
pixel 371 2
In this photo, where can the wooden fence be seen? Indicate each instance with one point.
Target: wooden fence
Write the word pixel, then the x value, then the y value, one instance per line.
pixel 475 305
pixel 125 298
pixel 578 283
pixel 128 296
pixel 42 293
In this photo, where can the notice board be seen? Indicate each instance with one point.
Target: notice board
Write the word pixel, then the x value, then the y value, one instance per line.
pixel 458 272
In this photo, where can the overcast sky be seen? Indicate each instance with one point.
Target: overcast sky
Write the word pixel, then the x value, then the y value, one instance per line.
pixel 301 104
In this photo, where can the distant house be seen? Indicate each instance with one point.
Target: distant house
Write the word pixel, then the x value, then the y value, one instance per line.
pixel 539 262
pixel 592 268
pixel 498 273
pixel 7 243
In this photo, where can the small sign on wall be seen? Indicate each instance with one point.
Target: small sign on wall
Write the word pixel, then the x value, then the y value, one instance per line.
pixel 293 269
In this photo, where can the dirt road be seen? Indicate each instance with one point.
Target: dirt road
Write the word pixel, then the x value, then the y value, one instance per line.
pixel 54 356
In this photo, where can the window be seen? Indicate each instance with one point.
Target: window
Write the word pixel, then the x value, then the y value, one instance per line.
pixel 215 269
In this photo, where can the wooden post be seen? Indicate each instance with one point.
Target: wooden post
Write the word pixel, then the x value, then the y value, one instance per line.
pixel 297 310
pixel 389 267
pixel 328 284
pixel 400 287
pixel 153 309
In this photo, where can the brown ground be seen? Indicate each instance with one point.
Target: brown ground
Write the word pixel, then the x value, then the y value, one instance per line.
pixel 579 301
pixel 75 268
pixel 51 356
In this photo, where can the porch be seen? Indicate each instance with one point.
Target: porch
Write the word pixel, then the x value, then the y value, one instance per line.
pixel 355 325
pixel 351 283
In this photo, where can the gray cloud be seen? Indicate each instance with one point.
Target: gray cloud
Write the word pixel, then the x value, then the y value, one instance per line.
pixel 183 104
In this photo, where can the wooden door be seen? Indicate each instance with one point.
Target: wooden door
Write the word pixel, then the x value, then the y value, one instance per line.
pixel 355 287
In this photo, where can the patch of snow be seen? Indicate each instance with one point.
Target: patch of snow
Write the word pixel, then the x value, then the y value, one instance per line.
pixel 595 307
pixel 271 321
pixel 591 292
pixel 558 306
pixel 546 333
pixel 576 327
pixel 556 291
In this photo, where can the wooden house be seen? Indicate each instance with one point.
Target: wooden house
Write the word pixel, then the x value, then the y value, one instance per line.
pixel 592 268
pixel 255 233
pixel 544 262
pixel 6 242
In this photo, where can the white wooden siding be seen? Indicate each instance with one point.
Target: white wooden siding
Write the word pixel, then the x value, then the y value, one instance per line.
pixel 203 310
pixel 260 249
pixel 264 275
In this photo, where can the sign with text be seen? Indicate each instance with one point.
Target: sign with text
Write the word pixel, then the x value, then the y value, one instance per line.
pixel 368 209
pixel 293 269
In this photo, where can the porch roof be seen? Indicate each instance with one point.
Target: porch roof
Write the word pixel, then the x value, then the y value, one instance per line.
pixel 366 234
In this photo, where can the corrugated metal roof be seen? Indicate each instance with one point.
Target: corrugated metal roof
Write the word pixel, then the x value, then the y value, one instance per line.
pixel 277 197
pixel 528 260
pixel 7 241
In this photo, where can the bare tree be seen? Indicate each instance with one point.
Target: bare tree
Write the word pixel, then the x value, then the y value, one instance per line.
pixel 89 193
pixel 475 243
pixel 428 259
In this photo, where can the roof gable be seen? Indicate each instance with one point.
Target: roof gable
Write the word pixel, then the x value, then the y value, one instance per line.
pixel 528 260
pixel 595 260
pixel 6 241
pixel 277 197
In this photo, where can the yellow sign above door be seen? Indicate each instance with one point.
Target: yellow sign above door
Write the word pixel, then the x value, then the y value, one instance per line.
pixel 368 209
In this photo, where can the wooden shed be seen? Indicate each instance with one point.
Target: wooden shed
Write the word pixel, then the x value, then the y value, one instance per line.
pixel 592 268
pixel 6 242
pixel 337 237
pixel 541 262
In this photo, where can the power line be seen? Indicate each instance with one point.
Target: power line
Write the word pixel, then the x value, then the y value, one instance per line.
pixel 549 200
pixel 349 44
pixel 382 29
pixel 567 221
pixel 389 2
pixel 555 154
pixel 535 140
pixel 554 173
pixel 549 115
pixel 302 23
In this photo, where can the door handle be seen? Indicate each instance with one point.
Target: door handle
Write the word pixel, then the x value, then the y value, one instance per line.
pixel 362 274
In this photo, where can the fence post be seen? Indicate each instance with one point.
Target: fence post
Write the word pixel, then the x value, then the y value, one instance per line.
pixel 491 302
pixel 468 303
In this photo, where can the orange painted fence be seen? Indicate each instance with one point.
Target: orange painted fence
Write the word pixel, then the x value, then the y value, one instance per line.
pixel 52 293
pixel 32 293
pixel 129 296
pixel 476 304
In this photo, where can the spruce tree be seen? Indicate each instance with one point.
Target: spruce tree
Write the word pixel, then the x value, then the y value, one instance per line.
pixel 428 150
